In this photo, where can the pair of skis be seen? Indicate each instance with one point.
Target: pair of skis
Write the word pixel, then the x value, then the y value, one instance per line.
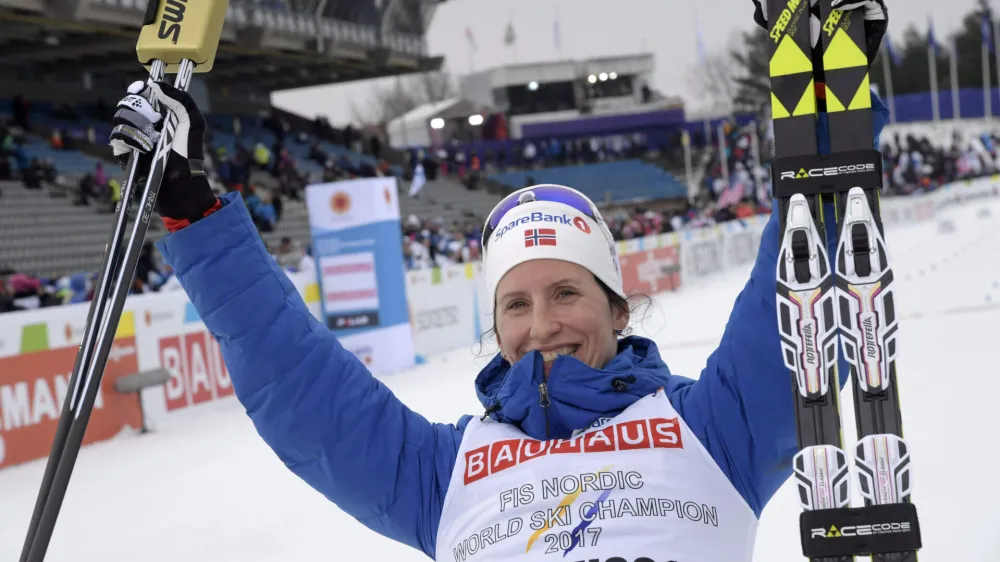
pixel 849 295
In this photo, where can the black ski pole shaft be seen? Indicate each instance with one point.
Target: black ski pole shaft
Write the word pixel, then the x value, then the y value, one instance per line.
pixel 201 27
pixel 117 281
pixel 84 357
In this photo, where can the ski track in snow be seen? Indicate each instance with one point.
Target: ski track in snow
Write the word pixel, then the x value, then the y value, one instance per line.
pixel 204 487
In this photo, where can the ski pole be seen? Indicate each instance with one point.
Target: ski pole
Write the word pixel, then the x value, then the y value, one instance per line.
pixel 178 38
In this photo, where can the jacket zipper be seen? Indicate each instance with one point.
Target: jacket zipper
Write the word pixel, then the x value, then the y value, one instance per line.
pixel 543 391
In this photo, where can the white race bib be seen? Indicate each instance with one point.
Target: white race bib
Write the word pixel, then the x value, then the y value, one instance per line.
pixel 639 487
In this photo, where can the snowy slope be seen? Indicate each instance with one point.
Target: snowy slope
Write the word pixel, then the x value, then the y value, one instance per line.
pixel 206 488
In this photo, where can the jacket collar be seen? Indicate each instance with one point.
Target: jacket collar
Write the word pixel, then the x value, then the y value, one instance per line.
pixel 578 395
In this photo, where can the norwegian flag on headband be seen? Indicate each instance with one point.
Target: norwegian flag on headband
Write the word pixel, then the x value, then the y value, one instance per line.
pixel 539 237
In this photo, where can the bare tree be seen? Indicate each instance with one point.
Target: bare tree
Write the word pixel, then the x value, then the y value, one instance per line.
pixel 437 86
pixel 385 103
pixel 735 79
pixel 752 56
pixel 714 83
pixel 403 94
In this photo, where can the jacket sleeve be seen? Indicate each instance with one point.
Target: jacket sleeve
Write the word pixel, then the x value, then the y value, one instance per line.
pixel 741 408
pixel 314 403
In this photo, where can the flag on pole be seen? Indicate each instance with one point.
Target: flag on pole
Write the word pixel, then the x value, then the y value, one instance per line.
pixel 699 40
pixel 556 38
pixel 470 39
pixel 986 38
pixel 932 54
pixel 956 110
pixel 931 41
pixel 889 59
pixel 995 27
pixel 509 36
pixel 893 54
pixel 984 31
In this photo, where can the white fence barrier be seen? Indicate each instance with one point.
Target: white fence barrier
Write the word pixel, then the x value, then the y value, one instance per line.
pixel 38 348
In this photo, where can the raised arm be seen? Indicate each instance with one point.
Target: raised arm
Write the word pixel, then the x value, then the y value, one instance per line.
pixel 313 402
pixel 742 407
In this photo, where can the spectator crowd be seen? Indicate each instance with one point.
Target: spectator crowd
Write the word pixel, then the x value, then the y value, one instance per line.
pixel 733 183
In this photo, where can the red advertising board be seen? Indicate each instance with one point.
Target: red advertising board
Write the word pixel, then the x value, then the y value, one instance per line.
pixel 33 387
pixel 197 372
pixel 649 272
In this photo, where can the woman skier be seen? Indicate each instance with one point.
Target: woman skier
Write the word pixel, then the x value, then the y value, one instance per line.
pixel 587 448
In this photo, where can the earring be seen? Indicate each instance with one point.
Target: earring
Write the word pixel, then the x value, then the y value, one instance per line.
pixel 619 332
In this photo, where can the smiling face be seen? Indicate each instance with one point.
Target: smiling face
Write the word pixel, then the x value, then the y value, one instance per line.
pixel 558 308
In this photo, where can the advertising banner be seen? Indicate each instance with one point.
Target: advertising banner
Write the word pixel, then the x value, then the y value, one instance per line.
pixel 702 252
pixel 741 240
pixel 385 316
pixel 357 242
pixel 652 271
pixel 171 335
pixel 34 382
pixel 918 208
pixel 443 308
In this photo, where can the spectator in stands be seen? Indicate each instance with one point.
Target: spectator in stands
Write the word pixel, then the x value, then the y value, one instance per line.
pixel 6 170
pixel 12 145
pixel 7 299
pixel 72 289
pixel 408 261
pixel 224 169
pixel 145 269
pixel 100 176
pixel 317 154
pixel 420 253
pixel 288 254
pixel 28 292
pixel 32 175
pixel 49 173
pixel 86 190
pixel 261 156
pixel 19 107
pixel 471 179
pixel 349 136
pixel 56 140
pixel 102 110
pixel 277 204
pixel 330 172
pixel 114 193
pixel 170 281
pixel 242 165
pixel 262 211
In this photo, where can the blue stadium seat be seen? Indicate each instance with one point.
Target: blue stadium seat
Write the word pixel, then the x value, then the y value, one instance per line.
pixel 75 162
pixel 624 181
pixel 66 161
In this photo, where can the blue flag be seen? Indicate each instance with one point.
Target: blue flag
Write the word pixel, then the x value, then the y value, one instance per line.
pixel 986 30
pixel 931 42
pixel 891 51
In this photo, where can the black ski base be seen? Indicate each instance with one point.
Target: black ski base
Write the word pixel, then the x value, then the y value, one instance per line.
pixel 813 174
pixel 860 531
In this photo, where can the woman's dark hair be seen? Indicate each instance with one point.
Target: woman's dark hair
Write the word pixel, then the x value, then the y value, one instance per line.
pixel 637 306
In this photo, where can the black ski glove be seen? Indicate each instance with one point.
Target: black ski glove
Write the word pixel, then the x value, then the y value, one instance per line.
pixel 876 21
pixel 185 195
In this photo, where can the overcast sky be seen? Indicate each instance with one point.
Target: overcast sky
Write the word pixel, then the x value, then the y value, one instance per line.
pixel 591 28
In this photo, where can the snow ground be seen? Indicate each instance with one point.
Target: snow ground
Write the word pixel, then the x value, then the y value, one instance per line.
pixel 204 487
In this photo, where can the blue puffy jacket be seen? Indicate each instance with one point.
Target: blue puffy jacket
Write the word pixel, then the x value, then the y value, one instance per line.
pixel 350 438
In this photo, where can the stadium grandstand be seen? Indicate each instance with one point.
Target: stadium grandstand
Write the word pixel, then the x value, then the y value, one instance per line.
pixel 65 65
pixel 596 124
